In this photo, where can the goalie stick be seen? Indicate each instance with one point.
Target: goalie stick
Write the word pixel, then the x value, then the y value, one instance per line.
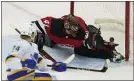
pixel 104 69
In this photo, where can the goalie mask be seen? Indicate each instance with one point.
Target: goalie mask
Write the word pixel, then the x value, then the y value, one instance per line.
pixel 71 28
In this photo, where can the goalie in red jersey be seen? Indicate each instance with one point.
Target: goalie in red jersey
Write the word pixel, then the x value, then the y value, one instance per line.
pixel 68 30
pixel 72 31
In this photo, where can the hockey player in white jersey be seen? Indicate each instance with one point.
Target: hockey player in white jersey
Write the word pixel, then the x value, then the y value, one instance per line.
pixel 24 59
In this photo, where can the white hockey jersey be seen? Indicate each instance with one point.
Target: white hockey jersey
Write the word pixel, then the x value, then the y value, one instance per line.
pixel 24 50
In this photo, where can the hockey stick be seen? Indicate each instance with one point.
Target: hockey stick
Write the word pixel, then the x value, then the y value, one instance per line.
pixel 46 55
pixel 104 69
pixel 67 61
pixel 15 28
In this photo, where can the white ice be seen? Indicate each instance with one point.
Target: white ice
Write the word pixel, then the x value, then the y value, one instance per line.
pixel 17 13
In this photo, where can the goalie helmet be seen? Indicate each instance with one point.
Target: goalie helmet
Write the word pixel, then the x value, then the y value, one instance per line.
pixel 71 27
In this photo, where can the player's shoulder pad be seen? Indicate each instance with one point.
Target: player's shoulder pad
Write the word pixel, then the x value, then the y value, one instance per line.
pixel 34 45
pixel 22 44
pixel 26 44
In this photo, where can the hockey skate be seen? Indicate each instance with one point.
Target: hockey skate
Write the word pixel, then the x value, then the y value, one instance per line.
pixel 117 57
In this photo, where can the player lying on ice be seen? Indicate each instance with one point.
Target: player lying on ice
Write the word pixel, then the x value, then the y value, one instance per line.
pixel 72 31
pixel 24 59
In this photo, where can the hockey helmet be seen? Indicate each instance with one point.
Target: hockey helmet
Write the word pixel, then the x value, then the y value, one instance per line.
pixel 28 29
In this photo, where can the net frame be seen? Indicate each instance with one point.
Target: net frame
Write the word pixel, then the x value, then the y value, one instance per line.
pixel 127 26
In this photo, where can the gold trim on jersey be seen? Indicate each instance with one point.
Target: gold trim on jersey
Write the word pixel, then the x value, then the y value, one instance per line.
pixel 42 78
pixel 11 57
pixel 26 76
pixel 31 73
pixel 23 59
pixel 15 71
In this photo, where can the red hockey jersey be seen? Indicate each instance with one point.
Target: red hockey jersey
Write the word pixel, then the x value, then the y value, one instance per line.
pixel 54 29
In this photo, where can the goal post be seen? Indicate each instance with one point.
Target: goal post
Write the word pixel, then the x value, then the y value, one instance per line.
pixel 72 7
pixel 125 24
pixel 127 28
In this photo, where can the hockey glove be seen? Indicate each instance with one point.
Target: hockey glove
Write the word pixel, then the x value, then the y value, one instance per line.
pixel 59 66
pixel 30 63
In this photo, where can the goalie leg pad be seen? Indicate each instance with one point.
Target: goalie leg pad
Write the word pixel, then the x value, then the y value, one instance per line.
pixel 42 76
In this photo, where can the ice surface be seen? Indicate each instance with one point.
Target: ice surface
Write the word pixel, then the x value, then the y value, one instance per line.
pixel 116 71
